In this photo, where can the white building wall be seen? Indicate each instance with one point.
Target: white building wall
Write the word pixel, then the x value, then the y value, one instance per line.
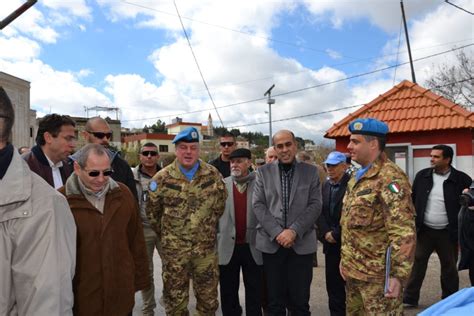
pixel 462 163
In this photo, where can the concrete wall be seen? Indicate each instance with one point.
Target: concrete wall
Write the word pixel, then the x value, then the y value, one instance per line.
pixel 24 127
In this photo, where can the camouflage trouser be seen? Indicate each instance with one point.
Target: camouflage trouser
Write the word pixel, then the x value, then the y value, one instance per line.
pixel 365 298
pixel 176 275
pixel 148 295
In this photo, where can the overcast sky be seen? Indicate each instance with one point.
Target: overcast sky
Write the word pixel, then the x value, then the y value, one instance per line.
pixel 133 55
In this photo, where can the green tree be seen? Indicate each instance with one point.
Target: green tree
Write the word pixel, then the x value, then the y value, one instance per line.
pixel 158 127
pixel 300 142
pixel 220 130
pixel 235 132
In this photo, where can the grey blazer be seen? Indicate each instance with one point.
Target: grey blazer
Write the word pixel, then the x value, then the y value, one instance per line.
pixel 305 207
pixel 226 228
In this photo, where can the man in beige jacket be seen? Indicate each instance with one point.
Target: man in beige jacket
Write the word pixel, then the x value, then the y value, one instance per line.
pixel 37 235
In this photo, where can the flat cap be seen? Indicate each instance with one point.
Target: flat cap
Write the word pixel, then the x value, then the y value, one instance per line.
pixel 335 158
pixel 368 126
pixel 188 135
pixel 241 153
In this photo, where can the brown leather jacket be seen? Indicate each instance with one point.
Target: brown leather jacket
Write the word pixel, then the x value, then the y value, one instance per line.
pixel 112 260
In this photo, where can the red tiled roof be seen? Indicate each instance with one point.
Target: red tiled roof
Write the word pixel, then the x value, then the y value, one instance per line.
pixel 408 107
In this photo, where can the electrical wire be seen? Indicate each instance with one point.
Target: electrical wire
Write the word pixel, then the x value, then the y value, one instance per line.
pixel 306 88
pixel 234 30
pixel 197 64
pixel 398 50
pixel 330 111
pixel 460 8
pixel 356 60
pixel 297 117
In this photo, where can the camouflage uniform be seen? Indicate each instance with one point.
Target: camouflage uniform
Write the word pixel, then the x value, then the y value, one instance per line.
pixel 377 212
pixel 185 215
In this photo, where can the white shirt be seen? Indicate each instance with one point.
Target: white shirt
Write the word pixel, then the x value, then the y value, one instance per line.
pixel 58 181
pixel 436 216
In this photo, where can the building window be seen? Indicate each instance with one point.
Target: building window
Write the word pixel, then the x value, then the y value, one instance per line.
pixel 31 132
pixel 163 148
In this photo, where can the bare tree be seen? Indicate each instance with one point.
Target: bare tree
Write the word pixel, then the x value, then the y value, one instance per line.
pixel 456 82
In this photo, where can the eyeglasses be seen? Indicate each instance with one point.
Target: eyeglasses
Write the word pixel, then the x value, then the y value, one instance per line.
pixel 101 135
pixel 147 153
pixel 96 173
pixel 227 144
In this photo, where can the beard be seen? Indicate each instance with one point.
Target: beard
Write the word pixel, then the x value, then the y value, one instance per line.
pixel 236 172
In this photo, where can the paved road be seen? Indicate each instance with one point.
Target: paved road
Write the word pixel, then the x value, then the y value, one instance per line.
pixel 430 292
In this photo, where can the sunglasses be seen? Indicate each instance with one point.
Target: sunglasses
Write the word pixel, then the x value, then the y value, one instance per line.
pixel 147 153
pixel 101 135
pixel 227 144
pixel 96 173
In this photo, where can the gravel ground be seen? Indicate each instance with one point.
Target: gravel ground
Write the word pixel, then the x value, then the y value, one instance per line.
pixel 430 292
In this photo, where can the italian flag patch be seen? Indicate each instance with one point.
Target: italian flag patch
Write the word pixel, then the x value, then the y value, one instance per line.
pixel 394 187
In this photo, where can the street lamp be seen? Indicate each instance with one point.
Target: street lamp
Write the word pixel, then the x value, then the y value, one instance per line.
pixel 270 101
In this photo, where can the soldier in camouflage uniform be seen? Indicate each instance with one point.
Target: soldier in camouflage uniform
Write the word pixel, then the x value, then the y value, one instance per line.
pixel 186 200
pixel 377 218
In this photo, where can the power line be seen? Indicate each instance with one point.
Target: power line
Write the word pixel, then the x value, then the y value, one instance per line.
pixel 234 30
pixel 451 83
pixel 297 117
pixel 335 110
pixel 460 8
pixel 306 88
pixel 371 72
pixel 197 63
pixel 398 50
pixel 277 41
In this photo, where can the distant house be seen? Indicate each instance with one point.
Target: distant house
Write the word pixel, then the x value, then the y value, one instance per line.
pixel 133 141
pixel 242 142
pixel 177 125
pixel 161 140
pixel 418 119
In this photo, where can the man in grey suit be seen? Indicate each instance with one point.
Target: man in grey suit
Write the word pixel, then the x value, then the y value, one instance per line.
pixel 287 203
pixel 236 240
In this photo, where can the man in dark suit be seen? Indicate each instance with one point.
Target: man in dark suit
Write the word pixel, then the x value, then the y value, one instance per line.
pixel 287 203
pixel 329 229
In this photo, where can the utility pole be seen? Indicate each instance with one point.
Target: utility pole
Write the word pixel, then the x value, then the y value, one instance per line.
pixel 270 101
pixel 25 6
pixel 408 43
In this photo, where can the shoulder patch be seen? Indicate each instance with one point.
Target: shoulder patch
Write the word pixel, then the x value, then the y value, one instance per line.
pixel 394 187
pixel 153 186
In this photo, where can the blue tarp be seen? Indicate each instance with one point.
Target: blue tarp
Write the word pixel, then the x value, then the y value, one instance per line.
pixel 460 303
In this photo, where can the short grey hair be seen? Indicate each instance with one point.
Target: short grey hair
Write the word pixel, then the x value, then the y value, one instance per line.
pixel 84 153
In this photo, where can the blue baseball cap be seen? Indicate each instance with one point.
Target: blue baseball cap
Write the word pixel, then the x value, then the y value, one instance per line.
pixel 188 135
pixel 335 158
pixel 368 126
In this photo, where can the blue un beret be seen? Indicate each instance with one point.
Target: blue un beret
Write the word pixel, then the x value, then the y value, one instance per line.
pixel 368 126
pixel 188 135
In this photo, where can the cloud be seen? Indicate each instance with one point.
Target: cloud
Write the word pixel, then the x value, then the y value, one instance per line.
pixel 237 67
pixel 76 8
pixel 385 15
pixel 52 90
pixel 333 54
pixel 32 23
pixel 18 49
